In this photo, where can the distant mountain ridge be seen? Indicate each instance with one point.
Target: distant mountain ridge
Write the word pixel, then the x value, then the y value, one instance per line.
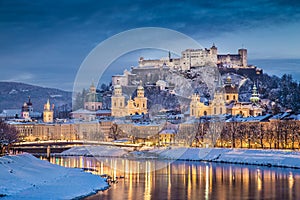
pixel 14 94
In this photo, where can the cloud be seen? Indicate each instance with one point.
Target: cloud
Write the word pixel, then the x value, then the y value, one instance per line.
pixel 22 77
pixel 47 35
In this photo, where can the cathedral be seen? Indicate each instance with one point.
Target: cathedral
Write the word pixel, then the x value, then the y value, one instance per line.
pixel 119 108
pixel 215 107
pixel 226 103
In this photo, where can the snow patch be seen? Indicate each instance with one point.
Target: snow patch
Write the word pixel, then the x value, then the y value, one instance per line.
pixel 27 177
pixel 277 158
pixel 56 95
pixel 13 91
pixel 99 151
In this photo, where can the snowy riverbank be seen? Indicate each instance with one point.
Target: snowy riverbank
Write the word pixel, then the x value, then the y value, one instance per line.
pixel 268 157
pixel 98 151
pixel 277 158
pixel 26 177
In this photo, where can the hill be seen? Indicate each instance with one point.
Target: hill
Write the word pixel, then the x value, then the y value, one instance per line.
pixel 13 95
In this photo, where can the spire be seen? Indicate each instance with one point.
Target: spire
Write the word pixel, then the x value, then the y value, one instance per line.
pixel 255 96
pixel 47 106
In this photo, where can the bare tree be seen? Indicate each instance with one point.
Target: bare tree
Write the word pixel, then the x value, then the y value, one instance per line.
pixel 277 128
pixel 233 131
pixel 241 133
pixel 8 135
pixel 293 128
pixel 270 134
pixel 202 129
pixel 115 132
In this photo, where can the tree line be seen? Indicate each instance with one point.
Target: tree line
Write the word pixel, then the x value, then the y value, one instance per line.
pixel 277 134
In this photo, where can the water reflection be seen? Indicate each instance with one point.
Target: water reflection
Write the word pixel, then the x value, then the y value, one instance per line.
pixel 189 180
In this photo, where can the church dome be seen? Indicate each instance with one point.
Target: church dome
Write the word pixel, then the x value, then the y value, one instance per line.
pixel 140 87
pixel 117 86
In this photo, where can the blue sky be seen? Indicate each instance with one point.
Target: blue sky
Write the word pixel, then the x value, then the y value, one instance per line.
pixel 44 42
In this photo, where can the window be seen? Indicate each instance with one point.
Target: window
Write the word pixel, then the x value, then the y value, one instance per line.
pixel 233 97
pixel 227 97
pixel 221 111
pixel 215 110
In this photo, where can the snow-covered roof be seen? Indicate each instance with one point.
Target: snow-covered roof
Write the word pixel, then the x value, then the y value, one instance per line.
pixel 83 111
pixel 168 131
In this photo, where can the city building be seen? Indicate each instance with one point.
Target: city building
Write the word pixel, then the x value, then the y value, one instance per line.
pixel 228 105
pixel 25 113
pixel 214 107
pixel 119 108
pixel 93 100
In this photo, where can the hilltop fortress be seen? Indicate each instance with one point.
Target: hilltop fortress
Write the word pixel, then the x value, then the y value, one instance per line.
pixel 151 71
pixel 199 57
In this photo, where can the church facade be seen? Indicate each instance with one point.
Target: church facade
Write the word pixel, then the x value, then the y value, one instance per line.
pixel 226 103
pixel 138 105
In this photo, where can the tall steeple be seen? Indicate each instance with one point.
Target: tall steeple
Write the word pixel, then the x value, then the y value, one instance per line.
pixel 48 113
pixel 255 96
pixel 140 90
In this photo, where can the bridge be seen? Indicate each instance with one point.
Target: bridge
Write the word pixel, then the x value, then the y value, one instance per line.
pixel 58 146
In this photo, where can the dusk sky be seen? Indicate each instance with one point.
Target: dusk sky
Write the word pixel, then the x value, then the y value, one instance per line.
pixel 45 42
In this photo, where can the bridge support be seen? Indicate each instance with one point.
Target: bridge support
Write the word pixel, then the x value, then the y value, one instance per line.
pixel 48 152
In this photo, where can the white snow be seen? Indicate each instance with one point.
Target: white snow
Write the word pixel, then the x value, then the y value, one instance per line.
pixel 101 151
pixel 268 157
pixel 26 177
pixel 278 158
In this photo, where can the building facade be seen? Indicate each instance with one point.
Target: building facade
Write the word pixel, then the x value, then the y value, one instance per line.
pixel 138 105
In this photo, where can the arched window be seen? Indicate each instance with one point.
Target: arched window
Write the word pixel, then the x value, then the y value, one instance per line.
pixel 233 97
pixel 205 113
pixel 227 97
pixel 221 111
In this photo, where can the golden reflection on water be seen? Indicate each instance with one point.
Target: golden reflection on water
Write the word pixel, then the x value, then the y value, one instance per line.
pixel 189 180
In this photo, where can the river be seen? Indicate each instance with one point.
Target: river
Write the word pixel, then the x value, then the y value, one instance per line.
pixel 188 180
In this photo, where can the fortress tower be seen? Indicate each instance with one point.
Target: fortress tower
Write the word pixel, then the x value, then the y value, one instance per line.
pixel 243 55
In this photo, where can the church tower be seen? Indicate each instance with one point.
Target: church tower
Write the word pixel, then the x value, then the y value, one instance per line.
pixel 140 100
pixel 25 111
pixel 254 97
pixel 118 102
pixel 231 91
pixel 48 113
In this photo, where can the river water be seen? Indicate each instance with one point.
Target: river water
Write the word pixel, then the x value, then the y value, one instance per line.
pixel 188 180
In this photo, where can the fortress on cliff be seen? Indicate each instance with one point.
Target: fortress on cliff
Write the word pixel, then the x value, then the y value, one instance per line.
pixel 153 70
